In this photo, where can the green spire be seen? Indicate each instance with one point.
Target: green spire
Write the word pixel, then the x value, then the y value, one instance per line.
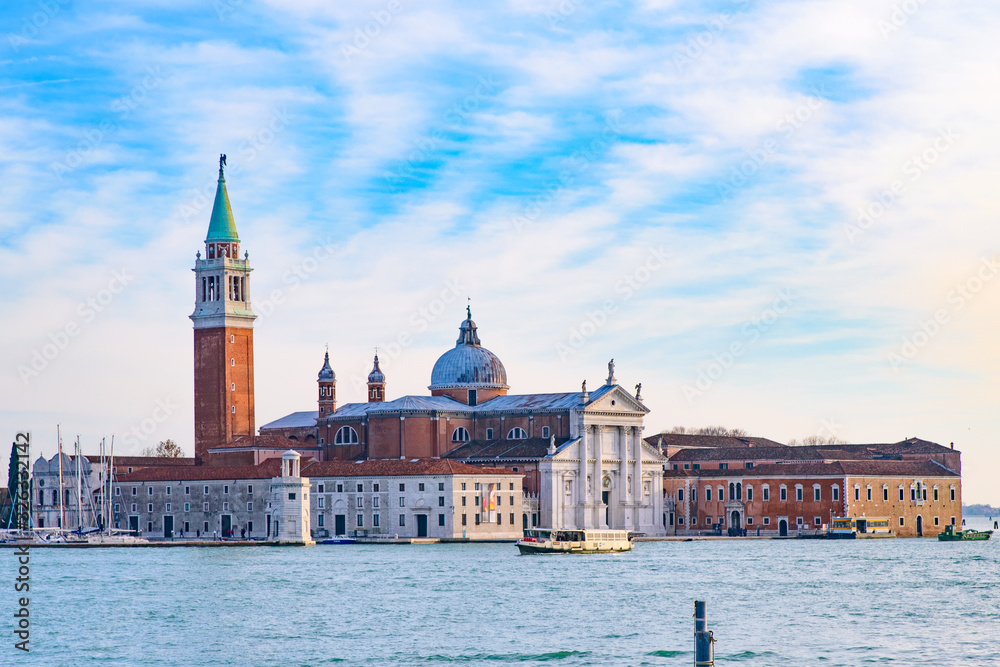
pixel 222 226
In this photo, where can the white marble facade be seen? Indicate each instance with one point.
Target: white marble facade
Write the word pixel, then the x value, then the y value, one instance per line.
pixel 605 476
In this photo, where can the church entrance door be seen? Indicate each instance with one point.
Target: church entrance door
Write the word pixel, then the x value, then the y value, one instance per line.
pixel 340 524
pixel 735 526
pixel 783 528
pixel 607 510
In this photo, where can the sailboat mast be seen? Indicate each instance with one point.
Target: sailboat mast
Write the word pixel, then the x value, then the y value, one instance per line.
pixel 111 479
pixel 62 512
pixel 79 489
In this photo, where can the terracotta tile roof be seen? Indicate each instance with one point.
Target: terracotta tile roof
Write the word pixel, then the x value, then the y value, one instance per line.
pixel 145 460
pixel 701 441
pixel 266 470
pixel 502 449
pixel 264 442
pixel 858 468
pixel 755 454
pixel 397 468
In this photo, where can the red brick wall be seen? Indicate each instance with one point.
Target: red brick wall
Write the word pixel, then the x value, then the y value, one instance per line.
pixel 218 364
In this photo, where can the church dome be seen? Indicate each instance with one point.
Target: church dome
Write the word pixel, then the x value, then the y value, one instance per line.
pixel 326 373
pixel 376 376
pixel 468 364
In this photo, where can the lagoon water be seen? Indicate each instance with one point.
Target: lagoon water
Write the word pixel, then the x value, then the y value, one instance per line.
pixel 770 602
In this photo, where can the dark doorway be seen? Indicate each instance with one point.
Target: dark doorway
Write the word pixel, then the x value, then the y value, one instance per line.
pixel 920 526
pixel 607 510
pixel 133 524
pixel 227 525
pixel 421 525
pixel 861 525
pixel 340 524
pixel 783 528
pixel 168 526
pixel 524 521
pixel 268 517
pixel 735 526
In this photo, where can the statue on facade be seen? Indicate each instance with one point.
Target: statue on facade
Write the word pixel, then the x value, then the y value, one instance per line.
pixel 638 392
pixel 611 372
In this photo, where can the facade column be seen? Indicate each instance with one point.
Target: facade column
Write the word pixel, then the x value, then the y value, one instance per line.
pixel 581 483
pixel 623 496
pixel 599 479
pixel 637 484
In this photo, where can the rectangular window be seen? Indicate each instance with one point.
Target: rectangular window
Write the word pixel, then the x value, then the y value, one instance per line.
pixel 476 486
pixel 463 501
pixel 901 521
pixel 440 501
pixel 205 508
pixel 817 521
pixel 816 494
pixel 869 494
pixel 361 487
pixel 511 519
pixel 250 489
pixel 953 495
pixel 767 521
pixel 512 501
pixel 680 493
pixel 149 489
pixel 935 521
pixel 320 521
pixel 187 507
pixel 489 434
pixel 420 487
pixel 402 487
pixel 168 490
pixel 225 506
pixel 767 493
pixel 249 527
pixel 798 521
pixel 477 518
pixel 149 526
pixel 723 466
pixel 798 494
pixel 463 486
pixel 291 496
pixel 340 488
pixel 187 527
pixel 708 494
pixel 749 464
pixel 135 491
pixel 118 491
pixel 885 493
pixel 361 502
pixel 749 520
pixel 440 519
pixel 374 501
pixel 321 502
pixel 465 518
pixel 206 527
pixel 250 508
pixel 499 500
pixel 134 508
pixel 900 493
pixel 935 494
pixel 836 493
pixel 857 493
pixel 402 501
pixel 187 490
pixel 375 520
pixel 361 520
pixel 749 493
pixel 784 494
pixel 402 519
pixel 697 466
pixel 319 488
pixel 150 507
pixel 375 487
pixel 206 490
pixel 440 486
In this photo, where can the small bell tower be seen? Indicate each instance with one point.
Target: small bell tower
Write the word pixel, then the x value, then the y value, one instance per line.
pixel 327 381
pixel 376 384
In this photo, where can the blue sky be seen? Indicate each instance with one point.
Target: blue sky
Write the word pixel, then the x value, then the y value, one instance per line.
pixel 656 182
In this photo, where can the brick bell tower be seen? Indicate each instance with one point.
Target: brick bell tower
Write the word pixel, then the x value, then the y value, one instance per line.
pixel 223 333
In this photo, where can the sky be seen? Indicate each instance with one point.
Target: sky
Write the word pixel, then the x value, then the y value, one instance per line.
pixel 776 216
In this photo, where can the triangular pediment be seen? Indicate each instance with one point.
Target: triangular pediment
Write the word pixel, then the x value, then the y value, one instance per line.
pixel 615 399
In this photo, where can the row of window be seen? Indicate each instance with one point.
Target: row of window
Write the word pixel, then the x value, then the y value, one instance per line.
pixel 187 490
pixel 187 507
pixel 736 492
pixel 917 492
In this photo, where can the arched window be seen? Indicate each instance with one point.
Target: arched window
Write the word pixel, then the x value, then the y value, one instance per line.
pixel 346 436
pixel 517 433
pixel 460 435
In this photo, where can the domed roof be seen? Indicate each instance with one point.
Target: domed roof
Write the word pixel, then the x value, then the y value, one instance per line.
pixel 326 373
pixel 376 376
pixel 468 364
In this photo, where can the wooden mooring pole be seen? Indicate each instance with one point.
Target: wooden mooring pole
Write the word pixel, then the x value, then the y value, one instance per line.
pixel 704 648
